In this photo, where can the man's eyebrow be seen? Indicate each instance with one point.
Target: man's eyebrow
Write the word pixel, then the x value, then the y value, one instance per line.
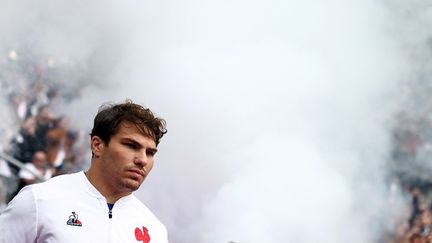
pixel 131 140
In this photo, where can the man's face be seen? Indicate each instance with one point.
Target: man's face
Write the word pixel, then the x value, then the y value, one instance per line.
pixel 126 160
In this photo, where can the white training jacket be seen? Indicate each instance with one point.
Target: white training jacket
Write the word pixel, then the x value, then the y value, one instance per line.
pixel 68 209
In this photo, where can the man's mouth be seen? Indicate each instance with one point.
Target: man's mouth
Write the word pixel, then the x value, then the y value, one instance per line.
pixel 137 172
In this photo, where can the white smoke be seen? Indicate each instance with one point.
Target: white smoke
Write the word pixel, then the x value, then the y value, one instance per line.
pixel 279 112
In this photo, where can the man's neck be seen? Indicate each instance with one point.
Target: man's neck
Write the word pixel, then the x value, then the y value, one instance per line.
pixel 104 188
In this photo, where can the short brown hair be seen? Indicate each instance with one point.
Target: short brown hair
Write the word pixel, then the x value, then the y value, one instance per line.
pixel 108 119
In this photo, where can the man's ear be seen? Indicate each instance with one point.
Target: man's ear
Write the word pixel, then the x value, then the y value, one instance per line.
pixel 97 146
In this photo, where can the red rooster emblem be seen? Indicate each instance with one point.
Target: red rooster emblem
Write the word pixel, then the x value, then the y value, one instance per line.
pixel 142 235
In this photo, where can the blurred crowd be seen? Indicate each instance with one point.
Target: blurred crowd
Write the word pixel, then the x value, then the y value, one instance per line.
pixel 411 166
pixel 43 143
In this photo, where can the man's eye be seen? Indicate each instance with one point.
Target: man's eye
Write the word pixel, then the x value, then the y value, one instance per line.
pixel 131 145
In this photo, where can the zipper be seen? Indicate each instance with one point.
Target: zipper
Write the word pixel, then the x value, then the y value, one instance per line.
pixel 110 208
pixel 110 222
pixel 109 231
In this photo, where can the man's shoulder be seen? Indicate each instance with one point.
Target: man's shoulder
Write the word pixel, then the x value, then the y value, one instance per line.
pixel 139 208
pixel 137 203
pixel 61 183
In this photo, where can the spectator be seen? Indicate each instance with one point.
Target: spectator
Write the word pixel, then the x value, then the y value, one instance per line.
pixel 39 167
pixel 55 141
pixel 26 142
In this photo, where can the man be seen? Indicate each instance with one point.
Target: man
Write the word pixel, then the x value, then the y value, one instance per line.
pixel 98 205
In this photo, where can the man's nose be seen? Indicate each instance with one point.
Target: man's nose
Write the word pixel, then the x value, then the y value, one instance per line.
pixel 141 159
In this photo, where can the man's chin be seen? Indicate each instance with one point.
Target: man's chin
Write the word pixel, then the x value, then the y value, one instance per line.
pixel 132 184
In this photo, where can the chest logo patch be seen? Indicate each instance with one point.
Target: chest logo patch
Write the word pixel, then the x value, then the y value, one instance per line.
pixel 73 220
pixel 142 235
